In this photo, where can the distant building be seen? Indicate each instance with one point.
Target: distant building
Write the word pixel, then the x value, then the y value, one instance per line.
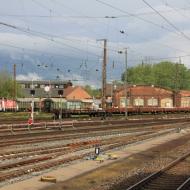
pixel 77 98
pixel 44 88
pixel 183 98
pixel 144 95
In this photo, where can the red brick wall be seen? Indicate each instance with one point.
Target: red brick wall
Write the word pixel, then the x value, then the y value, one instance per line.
pixel 144 92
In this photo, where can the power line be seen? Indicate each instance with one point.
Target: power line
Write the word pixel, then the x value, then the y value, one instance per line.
pixel 43 36
pixel 14 27
pixel 178 32
pixel 87 17
pixel 133 15
pixel 29 50
pixel 110 49
pixel 42 5
pixel 176 10
pixel 163 58
pixel 81 17
pixel 170 23
pixel 129 14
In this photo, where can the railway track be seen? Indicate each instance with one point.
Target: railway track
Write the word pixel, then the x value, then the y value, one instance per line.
pixel 54 157
pixel 26 161
pixel 79 127
pixel 41 164
pixel 22 129
pixel 78 133
pixel 185 185
pixel 7 155
pixel 173 176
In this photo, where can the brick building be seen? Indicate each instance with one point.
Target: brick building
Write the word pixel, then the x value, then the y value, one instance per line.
pixel 144 95
pixel 183 98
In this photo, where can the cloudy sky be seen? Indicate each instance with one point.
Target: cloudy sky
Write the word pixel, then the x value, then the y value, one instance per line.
pixel 59 39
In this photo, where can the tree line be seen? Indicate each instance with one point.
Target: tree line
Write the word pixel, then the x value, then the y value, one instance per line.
pixel 175 76
pixel 7 86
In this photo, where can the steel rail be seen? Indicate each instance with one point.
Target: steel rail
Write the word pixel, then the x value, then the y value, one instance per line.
pixel 28 169
pixel 141 184
pixel 75 130
pixel 184 185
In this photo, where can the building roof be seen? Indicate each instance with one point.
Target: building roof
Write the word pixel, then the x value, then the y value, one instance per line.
pixel 184 93
pixel 77 93
pixel 146 90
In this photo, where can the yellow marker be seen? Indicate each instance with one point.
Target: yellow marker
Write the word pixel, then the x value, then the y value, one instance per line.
pixel 48 179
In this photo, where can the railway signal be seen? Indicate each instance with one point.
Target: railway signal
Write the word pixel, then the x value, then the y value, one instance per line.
pixel 32 92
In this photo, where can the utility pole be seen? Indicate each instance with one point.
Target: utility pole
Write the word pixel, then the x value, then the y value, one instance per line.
pixel 14 78
pixel 32 105
pixel 126 76
pixel 104 74
pixel 125 81
pixel 111 77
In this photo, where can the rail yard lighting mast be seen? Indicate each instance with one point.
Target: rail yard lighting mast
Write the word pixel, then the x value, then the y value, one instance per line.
pixel 125 81
pixel 104 64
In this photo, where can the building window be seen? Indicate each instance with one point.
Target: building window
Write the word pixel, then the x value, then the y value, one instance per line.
pixel 166 103
pixel 37 85
pixel 32 86
pixel 185 102
pixel 27 85
pixel 152 102
pixel 22 85
pixel 138 102
pixel 123 102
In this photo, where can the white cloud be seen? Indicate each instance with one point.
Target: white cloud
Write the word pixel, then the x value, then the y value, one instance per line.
pixel 29 77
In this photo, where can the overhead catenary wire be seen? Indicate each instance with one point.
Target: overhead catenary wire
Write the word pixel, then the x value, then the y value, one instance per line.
pixel 43 36
pixel 133 15
pixel 163 58
pixel 51 37
pixel 168 21
pixel 91 17
pixel 14 27
pixel 110 49
pixel 177 10
pixel 177 31
pixel 145 20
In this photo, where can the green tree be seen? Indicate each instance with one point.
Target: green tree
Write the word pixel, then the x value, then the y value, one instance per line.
pixel 7 86
pixel 93 92
pixel 166 74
